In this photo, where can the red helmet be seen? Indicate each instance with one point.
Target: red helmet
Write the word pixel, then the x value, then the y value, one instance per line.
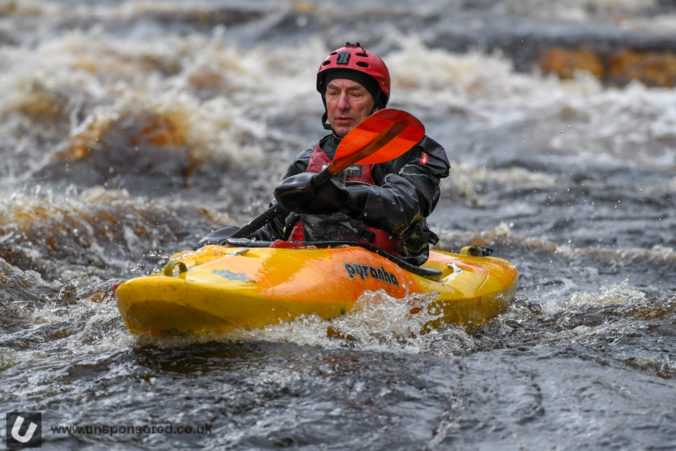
pixel 355 62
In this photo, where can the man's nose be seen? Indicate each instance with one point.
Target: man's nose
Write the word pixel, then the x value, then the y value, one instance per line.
pixel 343 101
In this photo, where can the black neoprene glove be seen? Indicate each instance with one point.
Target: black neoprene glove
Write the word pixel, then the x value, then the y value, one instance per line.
pixel 299 194
pixel 355 199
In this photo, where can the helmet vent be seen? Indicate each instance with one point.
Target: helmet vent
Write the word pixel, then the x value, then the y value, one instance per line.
pixel 362 54
pixel 362 64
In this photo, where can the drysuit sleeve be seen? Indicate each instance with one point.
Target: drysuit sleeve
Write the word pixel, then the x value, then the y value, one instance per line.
pixel 406 189
pixel 299 164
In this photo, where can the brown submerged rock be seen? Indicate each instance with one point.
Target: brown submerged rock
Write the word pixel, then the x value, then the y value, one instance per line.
pixel 651 67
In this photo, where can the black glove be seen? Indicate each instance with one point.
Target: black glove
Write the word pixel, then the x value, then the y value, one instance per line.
pixel 355 200
pixel 299 194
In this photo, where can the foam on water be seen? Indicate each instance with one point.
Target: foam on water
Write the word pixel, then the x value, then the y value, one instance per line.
pixel 72 322
pixel 578 10
pixel 663 257
pixel 466 179
pixel 222 96
pixel 576 118
pixel 215 91
pixel 94 230
pixel 620 294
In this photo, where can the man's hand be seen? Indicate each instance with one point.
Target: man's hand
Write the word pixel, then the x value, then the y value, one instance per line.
pixel 298 193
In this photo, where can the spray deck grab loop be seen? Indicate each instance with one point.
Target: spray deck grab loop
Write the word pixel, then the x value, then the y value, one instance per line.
pixel 168 269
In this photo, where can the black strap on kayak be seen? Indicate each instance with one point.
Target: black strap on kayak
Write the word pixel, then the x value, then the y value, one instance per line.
pixel 429 273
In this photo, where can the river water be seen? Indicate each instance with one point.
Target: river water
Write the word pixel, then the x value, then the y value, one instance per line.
pixel 129 129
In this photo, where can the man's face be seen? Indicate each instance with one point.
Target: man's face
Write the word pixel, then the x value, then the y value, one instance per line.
pixel 347 104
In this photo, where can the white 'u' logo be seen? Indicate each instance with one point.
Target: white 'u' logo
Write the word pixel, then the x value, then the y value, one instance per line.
pixel 25 438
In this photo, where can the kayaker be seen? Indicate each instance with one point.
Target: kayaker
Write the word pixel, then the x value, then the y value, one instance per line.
pixel 383 204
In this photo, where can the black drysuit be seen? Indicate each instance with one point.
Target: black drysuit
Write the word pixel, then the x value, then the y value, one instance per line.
pixel 406 191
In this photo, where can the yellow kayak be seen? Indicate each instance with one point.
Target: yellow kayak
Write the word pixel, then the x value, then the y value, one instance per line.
pixel 221 288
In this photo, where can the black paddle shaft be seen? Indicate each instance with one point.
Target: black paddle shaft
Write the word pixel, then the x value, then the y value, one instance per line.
pixel 258 222
pixel 276 209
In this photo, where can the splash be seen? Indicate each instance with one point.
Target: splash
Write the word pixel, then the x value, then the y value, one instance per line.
pixel 378 322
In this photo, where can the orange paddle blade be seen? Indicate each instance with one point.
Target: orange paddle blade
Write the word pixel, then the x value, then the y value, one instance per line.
pixel 383 136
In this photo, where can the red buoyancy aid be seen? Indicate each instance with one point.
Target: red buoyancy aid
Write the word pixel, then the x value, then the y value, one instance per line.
pixel 382 240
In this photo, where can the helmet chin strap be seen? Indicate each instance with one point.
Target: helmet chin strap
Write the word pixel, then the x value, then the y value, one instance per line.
pixel 325 117
pixel 325 122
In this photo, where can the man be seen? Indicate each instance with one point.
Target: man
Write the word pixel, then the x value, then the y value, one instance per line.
pixel 382 204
